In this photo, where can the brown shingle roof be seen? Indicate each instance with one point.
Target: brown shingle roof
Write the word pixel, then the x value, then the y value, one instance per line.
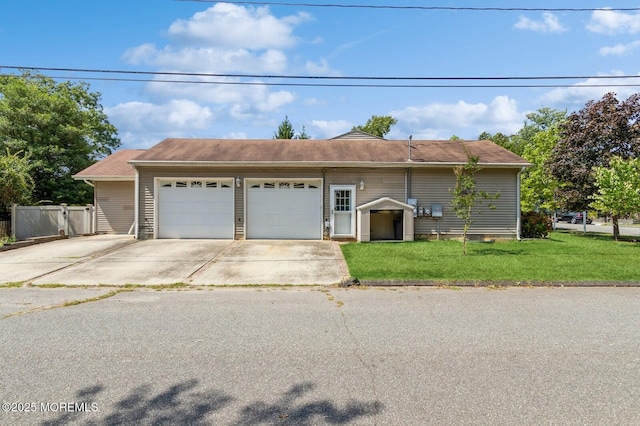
pixel 114 166
pixel 345 151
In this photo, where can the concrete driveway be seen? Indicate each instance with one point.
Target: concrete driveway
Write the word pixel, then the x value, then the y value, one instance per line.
pixel 120 260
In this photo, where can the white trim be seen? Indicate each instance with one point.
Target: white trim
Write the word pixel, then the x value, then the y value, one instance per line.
pixel 136 205
pixel 104 178
pixel 332 189
pixel 518 207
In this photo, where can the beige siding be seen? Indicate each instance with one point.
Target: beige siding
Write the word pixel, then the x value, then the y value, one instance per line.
pixel 433 186
pixel 378 183
pixel 114 206
pixel 428 186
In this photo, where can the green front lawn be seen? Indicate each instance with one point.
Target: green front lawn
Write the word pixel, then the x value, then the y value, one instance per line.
pixel 563 257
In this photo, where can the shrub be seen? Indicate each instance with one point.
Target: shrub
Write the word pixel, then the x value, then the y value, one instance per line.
pixel 535 224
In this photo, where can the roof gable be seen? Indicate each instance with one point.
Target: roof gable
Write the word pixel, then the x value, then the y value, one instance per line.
pixel 357 134
pixel 384 203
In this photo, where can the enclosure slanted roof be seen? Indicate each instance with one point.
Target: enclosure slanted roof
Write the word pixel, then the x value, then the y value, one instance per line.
pixel 114 167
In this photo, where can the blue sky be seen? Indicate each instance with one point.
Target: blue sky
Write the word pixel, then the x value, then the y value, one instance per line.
pixel 197 37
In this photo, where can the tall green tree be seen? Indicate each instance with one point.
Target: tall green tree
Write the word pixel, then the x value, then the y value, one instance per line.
pixel 617 189
pixel 16 183
pixel 537 121
pixel 590 138
pixel 499 139
pixel 466 196
pixel 286 131
pixel 377 125
pixel 62 128
pixel 538 185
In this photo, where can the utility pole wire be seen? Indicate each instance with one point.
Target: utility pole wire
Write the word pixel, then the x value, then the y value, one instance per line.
pixel 407 7
pixel 320 77
pixel 348 85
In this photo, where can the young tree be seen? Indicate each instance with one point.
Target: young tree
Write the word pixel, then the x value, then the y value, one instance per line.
pixel 285 130
pixel 618 189
pixel 303 134
pixel 377 125
pixel 60 126
pixel 466 196
pixel 590 138
pixel 16 184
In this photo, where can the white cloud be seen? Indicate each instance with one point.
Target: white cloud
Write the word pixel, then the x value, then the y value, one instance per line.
pixel 320 68
pixel 314 102
pixel 549 24
pixel 174 116
pixel 231 26
pixel 578 94
pixel 208 59
pixel 142 124
pixel 620 49
pixel 441 120
pixel 612 22
pixel 322 129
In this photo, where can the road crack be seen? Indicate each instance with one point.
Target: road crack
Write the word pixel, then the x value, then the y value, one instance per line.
pixel 357 352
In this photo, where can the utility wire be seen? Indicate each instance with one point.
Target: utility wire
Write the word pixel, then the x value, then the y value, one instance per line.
pixel 408 7
pixel 316 77
pixel 346 85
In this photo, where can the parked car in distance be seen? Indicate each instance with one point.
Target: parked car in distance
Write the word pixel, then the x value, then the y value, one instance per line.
pixel 572 217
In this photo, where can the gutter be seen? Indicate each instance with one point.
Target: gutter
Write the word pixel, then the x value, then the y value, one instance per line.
pixel 318 164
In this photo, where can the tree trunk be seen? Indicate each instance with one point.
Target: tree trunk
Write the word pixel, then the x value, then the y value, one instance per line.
pixel 616 227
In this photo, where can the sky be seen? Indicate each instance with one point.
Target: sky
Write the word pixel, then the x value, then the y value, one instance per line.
pixel 233 39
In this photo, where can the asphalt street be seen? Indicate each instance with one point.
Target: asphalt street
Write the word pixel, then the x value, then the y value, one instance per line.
pixel 320 355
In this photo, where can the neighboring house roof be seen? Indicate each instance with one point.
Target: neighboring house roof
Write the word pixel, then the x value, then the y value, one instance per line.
pixel 114 167
pixel 357 134
pixel 332 152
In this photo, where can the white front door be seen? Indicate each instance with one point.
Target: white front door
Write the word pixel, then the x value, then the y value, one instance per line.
pixel 343 213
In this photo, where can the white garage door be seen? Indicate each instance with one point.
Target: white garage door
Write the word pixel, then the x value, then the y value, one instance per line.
pixel 284 209
pixel 195 208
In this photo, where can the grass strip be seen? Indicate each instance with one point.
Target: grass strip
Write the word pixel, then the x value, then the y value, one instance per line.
pixel 67 303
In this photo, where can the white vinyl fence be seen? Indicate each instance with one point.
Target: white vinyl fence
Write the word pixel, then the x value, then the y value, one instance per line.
pixel 41 221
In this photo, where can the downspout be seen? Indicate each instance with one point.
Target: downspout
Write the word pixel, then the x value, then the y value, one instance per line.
pixel 518 213
pixel 136 204
pixel 89 183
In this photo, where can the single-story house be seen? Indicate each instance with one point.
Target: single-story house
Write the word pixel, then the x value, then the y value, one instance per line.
pixel 352 187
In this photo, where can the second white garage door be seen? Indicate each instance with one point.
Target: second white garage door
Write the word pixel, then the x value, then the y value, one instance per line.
pixel 284 209
pixel 195 208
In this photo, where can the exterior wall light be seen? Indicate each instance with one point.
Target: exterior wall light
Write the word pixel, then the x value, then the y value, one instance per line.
pixel 238 182
pixel 361 184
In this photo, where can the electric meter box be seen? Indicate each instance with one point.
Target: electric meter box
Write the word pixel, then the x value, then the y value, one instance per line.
pixel 413 202
pixel 436 210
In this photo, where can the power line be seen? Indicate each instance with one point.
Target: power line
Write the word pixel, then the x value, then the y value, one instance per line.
pixel 344 85
pixel 311 77
pixel 408 7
